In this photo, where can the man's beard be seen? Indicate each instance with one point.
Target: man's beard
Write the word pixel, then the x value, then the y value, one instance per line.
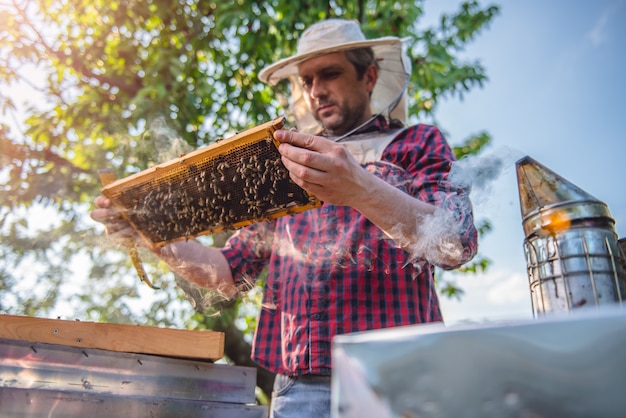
pixel 347 118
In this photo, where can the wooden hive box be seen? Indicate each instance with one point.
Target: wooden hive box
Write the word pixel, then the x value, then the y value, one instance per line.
pixel 69 369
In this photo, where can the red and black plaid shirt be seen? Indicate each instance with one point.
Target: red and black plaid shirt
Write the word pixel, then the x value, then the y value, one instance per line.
pixel 331 271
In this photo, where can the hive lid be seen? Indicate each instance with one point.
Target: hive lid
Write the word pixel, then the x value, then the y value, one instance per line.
pixel 550 202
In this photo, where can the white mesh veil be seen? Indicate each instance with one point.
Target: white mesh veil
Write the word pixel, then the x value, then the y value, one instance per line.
pixel 389 97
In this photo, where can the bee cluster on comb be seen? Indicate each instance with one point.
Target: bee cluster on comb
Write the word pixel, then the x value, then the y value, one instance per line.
pixel 227 185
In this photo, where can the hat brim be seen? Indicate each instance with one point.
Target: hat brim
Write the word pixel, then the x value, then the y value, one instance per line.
pixel 287 67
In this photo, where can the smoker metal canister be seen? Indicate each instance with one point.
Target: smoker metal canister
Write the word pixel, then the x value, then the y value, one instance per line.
pixel 572 252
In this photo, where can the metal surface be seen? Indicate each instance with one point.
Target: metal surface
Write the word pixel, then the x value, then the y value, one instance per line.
pixel 576 268
pixel 21 403
pixel 572 252
pixel 60 381
pixel 549 202
pixel 566 365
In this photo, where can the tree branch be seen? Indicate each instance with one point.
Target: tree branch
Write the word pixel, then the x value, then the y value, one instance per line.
pixel 77 61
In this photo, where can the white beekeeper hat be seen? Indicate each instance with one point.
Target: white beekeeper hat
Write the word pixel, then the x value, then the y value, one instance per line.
pixel 333 35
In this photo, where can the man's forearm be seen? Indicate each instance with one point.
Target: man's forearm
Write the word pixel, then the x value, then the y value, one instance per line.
pixel 418 227
pixel 204 266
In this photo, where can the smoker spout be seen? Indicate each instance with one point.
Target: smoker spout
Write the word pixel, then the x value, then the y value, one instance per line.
pixel 549 203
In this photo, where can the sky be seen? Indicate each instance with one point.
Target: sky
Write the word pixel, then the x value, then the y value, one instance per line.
pixel 556 93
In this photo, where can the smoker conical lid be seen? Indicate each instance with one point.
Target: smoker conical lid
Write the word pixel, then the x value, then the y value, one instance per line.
pixel 550 202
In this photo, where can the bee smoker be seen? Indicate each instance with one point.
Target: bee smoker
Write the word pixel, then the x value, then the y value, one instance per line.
pixel 572 251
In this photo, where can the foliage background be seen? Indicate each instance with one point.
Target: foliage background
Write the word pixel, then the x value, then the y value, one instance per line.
pixel 106 73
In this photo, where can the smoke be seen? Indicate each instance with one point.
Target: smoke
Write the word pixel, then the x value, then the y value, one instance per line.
pixel 478 172
pixel 437 240
pixel 164 142
pixel 212 300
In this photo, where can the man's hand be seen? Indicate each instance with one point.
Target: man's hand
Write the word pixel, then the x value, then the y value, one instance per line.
pixel 323 168
pixel 118 230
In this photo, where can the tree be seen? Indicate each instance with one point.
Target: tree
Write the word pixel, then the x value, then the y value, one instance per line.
pixel 106 72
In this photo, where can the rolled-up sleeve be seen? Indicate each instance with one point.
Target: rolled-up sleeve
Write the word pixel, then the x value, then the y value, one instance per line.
pixel 428 158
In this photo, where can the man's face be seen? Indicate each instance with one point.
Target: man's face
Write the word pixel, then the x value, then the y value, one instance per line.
pixel 333 92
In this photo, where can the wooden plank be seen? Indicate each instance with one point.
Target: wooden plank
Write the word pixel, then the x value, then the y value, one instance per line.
pixel 208 345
